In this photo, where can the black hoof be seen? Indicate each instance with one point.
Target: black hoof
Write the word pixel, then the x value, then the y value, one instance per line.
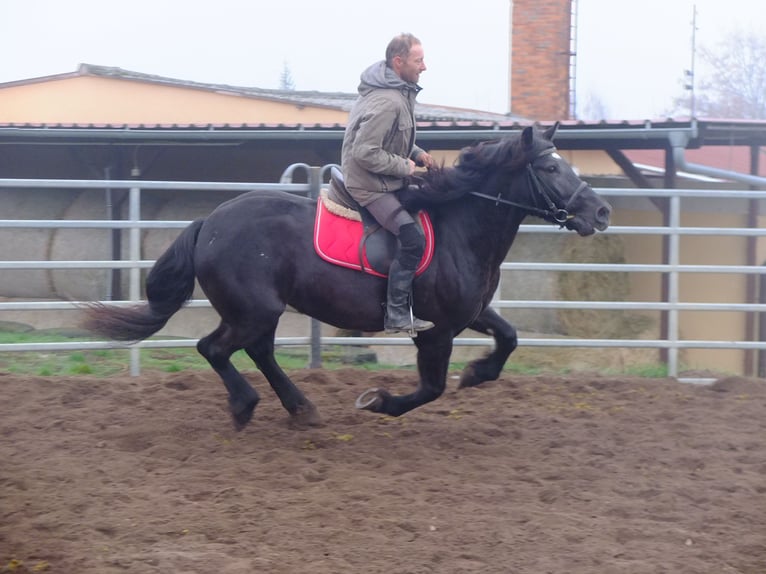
pixel 241 413
pixel 305 416
pixel 371 400
pixel 469 378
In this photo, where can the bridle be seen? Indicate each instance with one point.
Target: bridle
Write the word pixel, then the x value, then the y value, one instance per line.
pixel 550 196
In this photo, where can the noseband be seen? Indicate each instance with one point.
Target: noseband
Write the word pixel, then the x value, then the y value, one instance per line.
pixel 549 195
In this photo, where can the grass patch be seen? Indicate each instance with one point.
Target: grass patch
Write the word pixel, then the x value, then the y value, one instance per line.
pixel 648 371
pixel 105 363
pixel 112 362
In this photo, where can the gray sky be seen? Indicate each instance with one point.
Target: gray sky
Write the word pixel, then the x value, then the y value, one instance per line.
pixel 631 54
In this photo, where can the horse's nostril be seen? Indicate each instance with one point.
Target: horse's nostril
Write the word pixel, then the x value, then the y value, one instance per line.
pixel 603 213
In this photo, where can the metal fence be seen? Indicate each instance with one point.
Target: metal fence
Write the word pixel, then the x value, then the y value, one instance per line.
pixel 315 175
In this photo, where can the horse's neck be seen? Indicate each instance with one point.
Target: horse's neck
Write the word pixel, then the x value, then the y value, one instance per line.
pixel 505 236
pixel 485 228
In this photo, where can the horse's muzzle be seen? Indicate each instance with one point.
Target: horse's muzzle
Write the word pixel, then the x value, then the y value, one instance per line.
pixel 603 215
pixel 592 215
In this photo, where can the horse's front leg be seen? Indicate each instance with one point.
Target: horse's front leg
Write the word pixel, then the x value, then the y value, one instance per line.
pixel 434 350
pixel 489 368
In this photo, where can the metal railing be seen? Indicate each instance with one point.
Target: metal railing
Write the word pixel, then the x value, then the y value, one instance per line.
pixel 134 264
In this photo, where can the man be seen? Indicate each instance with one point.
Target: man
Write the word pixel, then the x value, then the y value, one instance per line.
pixel 378 153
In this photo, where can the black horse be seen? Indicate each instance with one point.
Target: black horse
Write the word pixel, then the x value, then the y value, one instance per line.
pixel 253 256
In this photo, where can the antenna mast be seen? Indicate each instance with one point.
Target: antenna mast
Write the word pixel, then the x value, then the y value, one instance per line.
pixel 573 60
pixel 690 72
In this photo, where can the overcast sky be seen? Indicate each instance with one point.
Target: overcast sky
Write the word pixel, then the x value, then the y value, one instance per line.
pixel 631 54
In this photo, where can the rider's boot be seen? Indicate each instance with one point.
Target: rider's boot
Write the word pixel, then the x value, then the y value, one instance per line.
pixel 399 317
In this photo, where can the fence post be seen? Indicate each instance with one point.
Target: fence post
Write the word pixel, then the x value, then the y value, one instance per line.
pixel 134 215
pixel 315 353
pixel 674 243
pixel 761 322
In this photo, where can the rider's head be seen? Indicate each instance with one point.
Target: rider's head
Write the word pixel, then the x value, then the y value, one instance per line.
pixel 404 55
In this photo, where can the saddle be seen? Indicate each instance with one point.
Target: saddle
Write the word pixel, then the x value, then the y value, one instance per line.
pixel 346 234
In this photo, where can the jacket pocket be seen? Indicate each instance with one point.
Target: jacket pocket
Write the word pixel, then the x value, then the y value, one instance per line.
pixel 406 135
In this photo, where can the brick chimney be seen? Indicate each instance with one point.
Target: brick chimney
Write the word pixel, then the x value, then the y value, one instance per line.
pixel 540 58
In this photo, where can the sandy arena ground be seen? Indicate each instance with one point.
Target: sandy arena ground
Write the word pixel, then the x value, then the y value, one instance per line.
pixel 577 475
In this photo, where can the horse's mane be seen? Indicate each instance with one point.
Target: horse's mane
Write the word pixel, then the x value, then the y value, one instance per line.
pixel 476 164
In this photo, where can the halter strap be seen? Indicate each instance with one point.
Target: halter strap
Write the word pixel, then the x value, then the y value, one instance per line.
pixel 558 214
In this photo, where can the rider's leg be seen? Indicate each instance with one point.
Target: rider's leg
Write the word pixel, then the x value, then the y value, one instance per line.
pixel 400 278
pixel 411 243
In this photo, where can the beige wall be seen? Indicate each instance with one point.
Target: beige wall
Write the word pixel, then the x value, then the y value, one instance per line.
pixel 696 287
pixel 86 99
pixel 591 162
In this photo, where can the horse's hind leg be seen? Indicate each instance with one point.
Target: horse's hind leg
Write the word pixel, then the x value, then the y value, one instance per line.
pixel 217 348
pixel 489 368
pixel 302 411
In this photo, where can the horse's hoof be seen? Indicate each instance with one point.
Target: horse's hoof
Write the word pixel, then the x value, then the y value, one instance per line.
pixel 241 414
pixel 370 400
pixel 468 378
pixel 305 416
pixel 241 420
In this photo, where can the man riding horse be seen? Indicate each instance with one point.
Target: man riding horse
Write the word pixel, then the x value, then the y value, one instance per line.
pixel 378 154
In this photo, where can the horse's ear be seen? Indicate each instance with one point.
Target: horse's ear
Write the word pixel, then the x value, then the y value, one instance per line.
pixel 550 133
pixel 527 137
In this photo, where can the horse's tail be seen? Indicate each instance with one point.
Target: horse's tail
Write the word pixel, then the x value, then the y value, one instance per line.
pixel 169 285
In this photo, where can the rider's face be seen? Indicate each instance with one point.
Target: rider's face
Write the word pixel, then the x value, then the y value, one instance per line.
pixel 411 66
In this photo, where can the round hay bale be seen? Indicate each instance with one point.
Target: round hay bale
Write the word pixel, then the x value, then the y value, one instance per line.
pixel 598 286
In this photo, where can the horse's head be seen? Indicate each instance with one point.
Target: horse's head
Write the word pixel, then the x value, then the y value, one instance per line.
pixel 524 172
pixel 557 193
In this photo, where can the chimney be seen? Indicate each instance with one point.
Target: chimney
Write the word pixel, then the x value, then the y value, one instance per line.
pixel 540 58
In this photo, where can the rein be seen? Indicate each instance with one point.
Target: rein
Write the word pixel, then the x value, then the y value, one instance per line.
pixel 559 215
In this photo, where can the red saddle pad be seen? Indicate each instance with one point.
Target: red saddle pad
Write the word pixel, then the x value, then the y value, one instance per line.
pixel 336 240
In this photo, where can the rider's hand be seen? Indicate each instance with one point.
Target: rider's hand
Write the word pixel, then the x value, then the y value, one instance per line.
pixel 411 165
pixel 426 160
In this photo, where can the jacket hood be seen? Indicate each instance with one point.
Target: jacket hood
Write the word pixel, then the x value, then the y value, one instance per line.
pixel 381 76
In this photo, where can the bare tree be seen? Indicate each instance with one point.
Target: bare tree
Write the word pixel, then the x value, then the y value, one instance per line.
pixel 286 79
pixel 594 108
pixel 733 84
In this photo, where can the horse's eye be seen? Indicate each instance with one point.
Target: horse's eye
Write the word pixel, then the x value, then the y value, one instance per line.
pixel 552 168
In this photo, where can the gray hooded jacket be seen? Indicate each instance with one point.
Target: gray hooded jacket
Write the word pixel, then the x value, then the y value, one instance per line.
pixel 380 135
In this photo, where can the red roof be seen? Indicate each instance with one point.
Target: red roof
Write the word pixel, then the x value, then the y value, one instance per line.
pixel 731 158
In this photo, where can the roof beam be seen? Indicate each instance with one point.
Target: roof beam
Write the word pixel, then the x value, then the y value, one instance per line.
pixel 627 167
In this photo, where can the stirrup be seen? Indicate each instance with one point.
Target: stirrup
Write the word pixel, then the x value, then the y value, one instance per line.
pixel 414 326
pixel 412 329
